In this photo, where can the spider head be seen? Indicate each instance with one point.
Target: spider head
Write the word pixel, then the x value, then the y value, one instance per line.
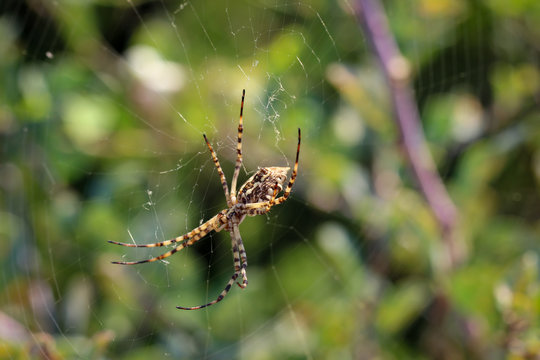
pixel 260 187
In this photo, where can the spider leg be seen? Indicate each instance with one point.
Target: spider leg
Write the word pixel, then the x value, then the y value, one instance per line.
pixel 255 208
pixel 168 253
pixel 293 176
pixel 220 171
pixel 243 257
pixel 240 265
pixel 196 237
pixel 215 223
pixel 238 151
pixel 239 255
pixel 236 257
pixel 219 298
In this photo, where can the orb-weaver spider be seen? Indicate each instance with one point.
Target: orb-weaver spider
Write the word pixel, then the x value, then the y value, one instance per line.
pixel 255 197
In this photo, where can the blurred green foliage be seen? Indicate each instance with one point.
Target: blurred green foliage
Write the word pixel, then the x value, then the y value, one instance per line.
pixel 102 107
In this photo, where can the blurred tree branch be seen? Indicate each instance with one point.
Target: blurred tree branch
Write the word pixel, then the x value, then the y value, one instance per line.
pixel 396 69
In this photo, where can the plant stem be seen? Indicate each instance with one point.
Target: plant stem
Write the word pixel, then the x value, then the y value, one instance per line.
pixel 396 69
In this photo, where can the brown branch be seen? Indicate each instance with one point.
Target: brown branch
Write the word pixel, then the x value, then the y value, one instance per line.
pixel 396 69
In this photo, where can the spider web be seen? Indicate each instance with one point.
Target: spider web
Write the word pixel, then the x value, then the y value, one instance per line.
pixel 164 182
pixel 106 104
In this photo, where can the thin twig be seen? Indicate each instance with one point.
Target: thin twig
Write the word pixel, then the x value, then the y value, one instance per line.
pixel 396 69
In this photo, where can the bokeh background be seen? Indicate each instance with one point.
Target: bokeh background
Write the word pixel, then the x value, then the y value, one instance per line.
pixel 102 108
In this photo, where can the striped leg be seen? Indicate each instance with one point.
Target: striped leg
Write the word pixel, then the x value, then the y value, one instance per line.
pixel 240 264
pixel 219 298
pixel 236 253
pixel 193 239
pixel 238 149
pixel 215 223
pixel 293 176
pixel 220 172
pixel 255 208
pixel 237 261
pixel 243 258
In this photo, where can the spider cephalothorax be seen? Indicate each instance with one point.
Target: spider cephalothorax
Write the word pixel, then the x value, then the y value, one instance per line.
pixel 255 197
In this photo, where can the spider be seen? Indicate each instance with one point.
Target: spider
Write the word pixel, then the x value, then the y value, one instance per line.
pixel 255 197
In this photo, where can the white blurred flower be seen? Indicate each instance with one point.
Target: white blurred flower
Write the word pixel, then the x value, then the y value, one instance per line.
pixel 154 72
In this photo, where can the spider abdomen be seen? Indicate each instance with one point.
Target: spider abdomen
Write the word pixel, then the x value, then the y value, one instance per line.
pixel 260 187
